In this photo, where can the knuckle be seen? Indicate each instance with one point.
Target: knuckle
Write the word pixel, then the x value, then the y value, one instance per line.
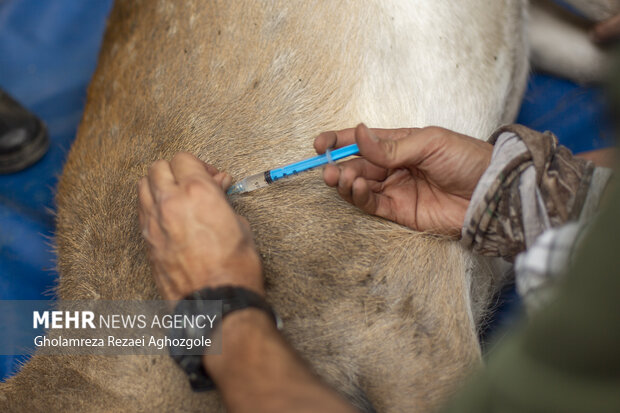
pixel 411 131
pixel 196 187
pixel 347 175
pixel 435 132
pixel 432 130
pixel 435 137
pixel 390 150
pixel 182 156
pixel 170 208
pixel 403 133
pixel 158 164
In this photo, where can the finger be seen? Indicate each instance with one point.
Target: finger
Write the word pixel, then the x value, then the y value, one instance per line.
pixel 607 30
pixel 361 167
pixel 334 139
pixel 331 174
pixel 357 167
pixel 363 197
pixel 344 137
pixel 366 199
pixel 345 184
pixel 212 170
pixel 389 153
pixel 186 166
pixel 160 178
pixel 223 180
pixel 344 174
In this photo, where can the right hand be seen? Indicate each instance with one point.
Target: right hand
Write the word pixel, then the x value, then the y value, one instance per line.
pixel 420 178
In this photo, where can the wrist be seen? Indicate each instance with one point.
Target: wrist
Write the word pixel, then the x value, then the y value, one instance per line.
pixel 246 273
pixel 243 270
pixel 250 325
pixel 233 299
pixel 259 371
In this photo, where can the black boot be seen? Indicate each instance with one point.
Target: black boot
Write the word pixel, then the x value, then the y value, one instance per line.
pixel 23 136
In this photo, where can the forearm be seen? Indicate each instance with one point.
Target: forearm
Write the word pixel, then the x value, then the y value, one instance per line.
pixel 259 372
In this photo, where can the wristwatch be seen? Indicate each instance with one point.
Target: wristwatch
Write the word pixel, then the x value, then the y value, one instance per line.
pixel 233 299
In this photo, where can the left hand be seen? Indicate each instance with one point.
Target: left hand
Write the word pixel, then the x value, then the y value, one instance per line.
pixel 195 239
pixel 421 178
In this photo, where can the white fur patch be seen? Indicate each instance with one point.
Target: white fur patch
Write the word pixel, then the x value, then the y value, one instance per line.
pixel 443 63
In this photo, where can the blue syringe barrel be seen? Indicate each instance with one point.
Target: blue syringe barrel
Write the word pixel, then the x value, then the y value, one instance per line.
pixel 310 163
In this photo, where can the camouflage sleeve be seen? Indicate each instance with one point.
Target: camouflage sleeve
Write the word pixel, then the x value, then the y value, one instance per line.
pixel 531 185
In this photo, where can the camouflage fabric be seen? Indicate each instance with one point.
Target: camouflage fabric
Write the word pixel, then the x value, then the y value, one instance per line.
pixel 531 185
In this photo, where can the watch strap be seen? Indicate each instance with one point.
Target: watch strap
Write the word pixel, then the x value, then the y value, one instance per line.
pixel 233 299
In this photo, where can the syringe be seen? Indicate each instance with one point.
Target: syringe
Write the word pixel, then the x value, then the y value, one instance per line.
pixel 260 180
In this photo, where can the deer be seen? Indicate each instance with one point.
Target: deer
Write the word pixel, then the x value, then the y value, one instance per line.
pixel 387 316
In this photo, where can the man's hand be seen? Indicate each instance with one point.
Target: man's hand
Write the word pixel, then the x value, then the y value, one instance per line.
pixel 421 178
pixel 196 240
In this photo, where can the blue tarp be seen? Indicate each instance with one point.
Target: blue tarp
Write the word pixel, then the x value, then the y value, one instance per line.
pixel 48 51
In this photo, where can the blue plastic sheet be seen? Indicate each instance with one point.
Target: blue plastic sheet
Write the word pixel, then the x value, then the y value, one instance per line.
pixel 48 51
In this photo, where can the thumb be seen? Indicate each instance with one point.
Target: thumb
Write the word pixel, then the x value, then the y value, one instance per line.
pixel 390 153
